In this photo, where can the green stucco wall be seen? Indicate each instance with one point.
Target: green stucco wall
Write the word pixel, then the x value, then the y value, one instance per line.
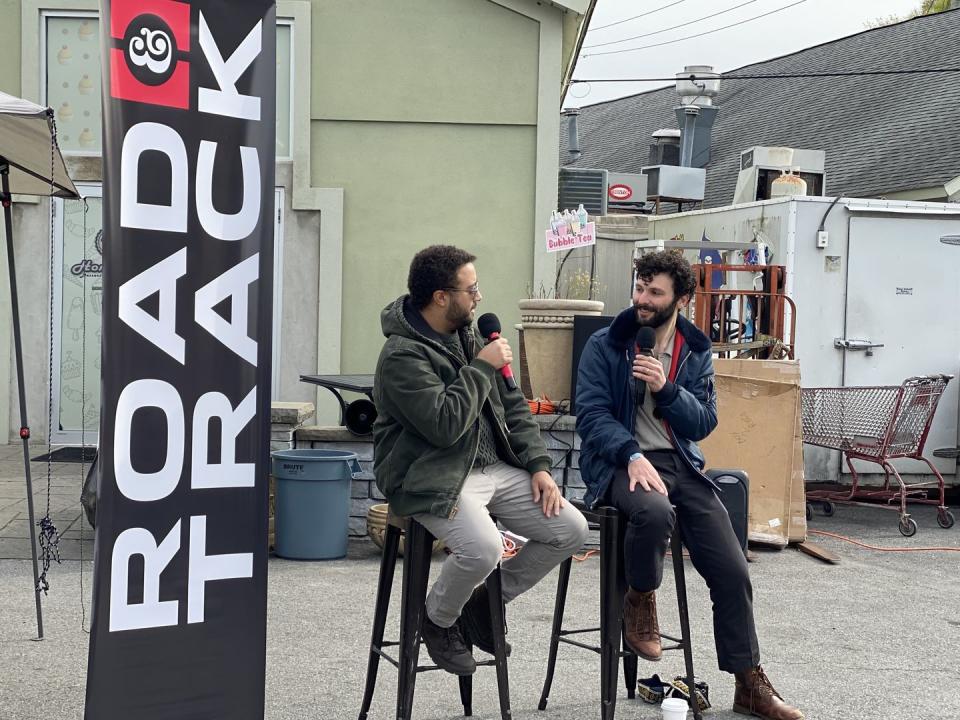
pixel 424 61
pixel 407 186
pixel 425 114
pixel 10 47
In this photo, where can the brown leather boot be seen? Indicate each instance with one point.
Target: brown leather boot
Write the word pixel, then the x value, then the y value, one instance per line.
pixel 755 696
pixel 640 627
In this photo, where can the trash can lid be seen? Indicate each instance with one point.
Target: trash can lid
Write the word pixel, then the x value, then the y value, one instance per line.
pixel 314 455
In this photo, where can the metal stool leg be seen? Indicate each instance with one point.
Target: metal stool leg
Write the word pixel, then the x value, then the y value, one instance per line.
pixel 466 694
pixel 611 615
pixel 495 593
pixel 629 659
pixel 416 572
pixel 562 584
pixel 676 549
pixel 388 564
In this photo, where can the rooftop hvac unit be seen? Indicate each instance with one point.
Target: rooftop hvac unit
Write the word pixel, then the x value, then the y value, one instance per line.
pixel 760 166
pixel 583 185
pixel 674 183
pixel 626 192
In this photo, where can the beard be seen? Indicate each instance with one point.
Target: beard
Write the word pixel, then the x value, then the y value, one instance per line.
pixel 458 317
pixel 659 317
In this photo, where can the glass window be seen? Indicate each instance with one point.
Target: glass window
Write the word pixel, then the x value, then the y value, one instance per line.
pixel 72 61
pixel 73 81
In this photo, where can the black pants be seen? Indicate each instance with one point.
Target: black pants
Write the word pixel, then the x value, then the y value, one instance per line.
pixel 707 535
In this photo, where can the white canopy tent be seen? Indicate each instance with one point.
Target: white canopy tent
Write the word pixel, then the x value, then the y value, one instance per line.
pixel 26 132
pixel 30 164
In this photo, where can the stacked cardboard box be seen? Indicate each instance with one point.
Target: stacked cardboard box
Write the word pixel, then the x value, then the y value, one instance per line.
pixel 759 431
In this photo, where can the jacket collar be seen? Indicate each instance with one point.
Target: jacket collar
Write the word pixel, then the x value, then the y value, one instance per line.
pixel 624 328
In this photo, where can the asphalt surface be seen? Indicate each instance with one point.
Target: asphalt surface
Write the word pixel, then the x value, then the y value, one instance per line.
pixel 876 637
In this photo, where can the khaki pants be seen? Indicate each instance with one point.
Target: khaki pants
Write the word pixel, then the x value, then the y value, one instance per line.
pixel 475 544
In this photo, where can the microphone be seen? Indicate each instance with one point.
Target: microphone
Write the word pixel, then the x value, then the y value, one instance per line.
pixel 646 339
pixel 489 326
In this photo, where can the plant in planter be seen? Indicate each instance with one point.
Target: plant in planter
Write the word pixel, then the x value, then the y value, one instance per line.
pixel 546 333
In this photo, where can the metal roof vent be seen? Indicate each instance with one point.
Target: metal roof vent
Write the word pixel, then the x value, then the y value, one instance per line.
pixel 698 86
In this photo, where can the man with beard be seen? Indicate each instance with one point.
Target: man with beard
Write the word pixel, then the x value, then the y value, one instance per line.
pixel 639 418
pixel 452 445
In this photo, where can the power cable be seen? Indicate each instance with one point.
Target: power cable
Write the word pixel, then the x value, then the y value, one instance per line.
pixel 775 76
pixel 674 27
pixel 690 37
pixel 649 12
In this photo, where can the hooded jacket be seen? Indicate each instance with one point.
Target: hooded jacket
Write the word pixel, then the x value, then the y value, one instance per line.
pixel 606 405
pixel 427 430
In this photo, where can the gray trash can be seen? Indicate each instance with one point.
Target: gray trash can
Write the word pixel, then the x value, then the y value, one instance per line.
pixel 312 502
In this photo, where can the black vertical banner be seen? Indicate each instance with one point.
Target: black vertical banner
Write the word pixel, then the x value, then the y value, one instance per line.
pixel 179 623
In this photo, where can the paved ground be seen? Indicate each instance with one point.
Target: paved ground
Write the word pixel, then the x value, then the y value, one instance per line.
pixel 874 638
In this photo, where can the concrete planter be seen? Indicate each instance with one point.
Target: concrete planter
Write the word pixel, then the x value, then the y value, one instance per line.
pixel 547 344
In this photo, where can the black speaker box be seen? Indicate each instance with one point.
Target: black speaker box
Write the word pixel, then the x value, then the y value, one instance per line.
pixel 735 495
pixel 583 327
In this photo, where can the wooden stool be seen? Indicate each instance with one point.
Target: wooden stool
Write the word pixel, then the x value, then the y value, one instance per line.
pixel 612 589
pixel 418 546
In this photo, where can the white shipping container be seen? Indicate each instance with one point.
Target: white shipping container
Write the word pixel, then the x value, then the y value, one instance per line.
pixel 882 277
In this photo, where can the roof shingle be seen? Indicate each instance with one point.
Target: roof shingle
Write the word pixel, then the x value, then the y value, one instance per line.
pixel 881 133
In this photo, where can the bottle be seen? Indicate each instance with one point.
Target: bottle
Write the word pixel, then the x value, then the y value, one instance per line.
pixel 573 222
pixel 582 215
pixel 555 223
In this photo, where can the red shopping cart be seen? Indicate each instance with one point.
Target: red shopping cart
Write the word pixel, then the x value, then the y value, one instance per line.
pixel 878 424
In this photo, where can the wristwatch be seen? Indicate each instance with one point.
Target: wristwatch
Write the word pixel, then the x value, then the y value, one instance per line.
pixel 634 456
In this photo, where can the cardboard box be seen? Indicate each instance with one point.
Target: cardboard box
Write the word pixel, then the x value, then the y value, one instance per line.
pixel 759 431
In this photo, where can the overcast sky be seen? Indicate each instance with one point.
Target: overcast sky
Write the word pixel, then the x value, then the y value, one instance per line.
pixel 808 23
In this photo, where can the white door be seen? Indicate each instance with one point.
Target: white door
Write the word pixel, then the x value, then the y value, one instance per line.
pixel 77 314
pixel 903 292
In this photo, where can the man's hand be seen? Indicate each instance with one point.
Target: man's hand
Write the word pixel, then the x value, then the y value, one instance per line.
pixel 496 353
pixel 645 475
pixel 650 370
pixel 546 492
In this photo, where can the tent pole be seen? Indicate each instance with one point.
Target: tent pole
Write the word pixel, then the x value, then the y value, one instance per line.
pixel 18 352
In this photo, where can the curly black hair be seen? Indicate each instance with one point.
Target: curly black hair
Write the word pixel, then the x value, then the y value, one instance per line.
pixel 432 269
pixel 673 264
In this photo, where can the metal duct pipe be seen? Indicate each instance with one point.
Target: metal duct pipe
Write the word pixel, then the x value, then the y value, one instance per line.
pixel 690 113
pixel 573 131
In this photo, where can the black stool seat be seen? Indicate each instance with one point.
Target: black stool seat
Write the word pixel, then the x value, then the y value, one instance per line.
pixel 418 546
pixel 612 589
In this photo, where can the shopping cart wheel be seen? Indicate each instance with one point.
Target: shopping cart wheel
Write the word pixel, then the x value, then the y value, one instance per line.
pixel 828 509
pixel 908 526
pixel 945 519
pixel 809 512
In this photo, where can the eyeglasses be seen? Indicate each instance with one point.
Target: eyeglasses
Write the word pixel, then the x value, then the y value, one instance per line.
pixel 472 291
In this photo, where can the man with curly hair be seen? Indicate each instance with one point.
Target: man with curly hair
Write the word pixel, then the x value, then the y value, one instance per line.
pixel 639 418
pixel 453 444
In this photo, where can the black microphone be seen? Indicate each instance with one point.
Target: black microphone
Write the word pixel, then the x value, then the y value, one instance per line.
pixel 489 326
pixel 646 339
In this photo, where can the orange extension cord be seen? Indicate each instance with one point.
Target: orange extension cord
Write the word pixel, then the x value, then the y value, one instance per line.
pixel 591 553
pixel 882 549
pixel 542 407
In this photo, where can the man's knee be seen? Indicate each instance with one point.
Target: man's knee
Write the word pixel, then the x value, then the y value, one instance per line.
pixel 656 516
pixel 481 554
pixel 575 532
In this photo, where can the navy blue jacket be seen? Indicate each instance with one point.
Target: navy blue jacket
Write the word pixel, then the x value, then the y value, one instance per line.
pixel 606 406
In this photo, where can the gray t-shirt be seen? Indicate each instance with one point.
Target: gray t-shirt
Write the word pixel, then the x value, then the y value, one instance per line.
pixel 650 432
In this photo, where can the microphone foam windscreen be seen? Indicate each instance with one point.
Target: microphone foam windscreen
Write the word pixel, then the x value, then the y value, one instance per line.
pixel 487 324
pixel 646 338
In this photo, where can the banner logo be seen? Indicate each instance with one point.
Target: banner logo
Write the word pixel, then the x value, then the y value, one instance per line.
pixel 149 49
pixel 149 64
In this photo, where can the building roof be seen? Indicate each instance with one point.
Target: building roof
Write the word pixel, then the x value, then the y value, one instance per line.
pixel 881 134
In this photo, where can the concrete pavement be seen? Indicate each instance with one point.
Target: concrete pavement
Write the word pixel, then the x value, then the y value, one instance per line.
pixel 876 637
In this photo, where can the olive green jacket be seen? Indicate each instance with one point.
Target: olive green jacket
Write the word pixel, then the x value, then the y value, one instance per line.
pixel 426 434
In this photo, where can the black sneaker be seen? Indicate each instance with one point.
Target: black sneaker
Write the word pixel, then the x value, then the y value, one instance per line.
pixel 447 648
pixel 477 624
